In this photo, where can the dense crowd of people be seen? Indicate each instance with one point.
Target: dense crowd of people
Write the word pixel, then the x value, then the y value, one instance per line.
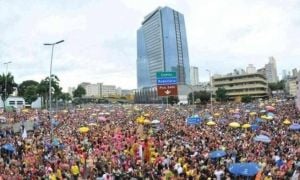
pixel 107 142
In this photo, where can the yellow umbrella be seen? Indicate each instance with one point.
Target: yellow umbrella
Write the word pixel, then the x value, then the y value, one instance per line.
pixel 84 129
pixel 264 117
pixel 146 115
pixel 252 113
pixel 231 111
pixel 25 110
pixel 234 125
pixel 140 120
pixel 211 123
pixel 147 121
pixel 94 114
pixel 217 114
pixel 269 118
pixel 246 126
pixel 287 122
pixel 65 111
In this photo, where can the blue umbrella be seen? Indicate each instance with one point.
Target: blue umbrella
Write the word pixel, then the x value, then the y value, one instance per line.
pixel 244 169
pixel 254 127
pixel 294 126
pixel 262 138
pixel 237 116
pixel 217 154
pixel 9 147
pixel 54 122
pixel 55 142
pixel 271 114
pixel 258 120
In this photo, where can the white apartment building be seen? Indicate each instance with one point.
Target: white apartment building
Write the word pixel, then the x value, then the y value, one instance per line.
pixel 109 90
pixel 271 71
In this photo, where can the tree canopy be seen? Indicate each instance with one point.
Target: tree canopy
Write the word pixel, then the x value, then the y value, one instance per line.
pixel 79 92
pixel 204 96
pixel 29 90
pixel 277 86
pixel 10 84
pixel 221 94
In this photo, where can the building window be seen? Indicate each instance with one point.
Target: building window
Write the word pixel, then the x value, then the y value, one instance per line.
pixel 19 102
pixel 12 102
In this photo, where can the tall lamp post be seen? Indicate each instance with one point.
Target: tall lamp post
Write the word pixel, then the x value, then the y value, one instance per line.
pixel 50 78
pixel 211 91
pixel 5 90
pixel 193 97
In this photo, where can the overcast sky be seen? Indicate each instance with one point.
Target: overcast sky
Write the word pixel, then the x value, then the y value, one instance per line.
pixel 100 36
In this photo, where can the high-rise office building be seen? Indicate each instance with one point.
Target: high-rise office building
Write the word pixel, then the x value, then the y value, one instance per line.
pixel 271 71
pixel 194 75
pixel 162 46
pixel 284 74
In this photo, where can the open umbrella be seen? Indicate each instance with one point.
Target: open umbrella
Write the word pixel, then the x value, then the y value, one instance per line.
pixel 294 126
pixel 217 154
pixel 155 121
pixel 262 111
pixel 93 124
pixel 217 114
pixel 244 169
pixel 84 129
pixel 270 114
pixel 102 118
pixel 258 120
pixel 234 125
pixel 287 122
pixel 147 121
pixel 262 138
pixel 211 123
pixel 9 147
pixel 270 108
pixel 252 113
pixel 254 127
pixel 237 116
pixel 245 126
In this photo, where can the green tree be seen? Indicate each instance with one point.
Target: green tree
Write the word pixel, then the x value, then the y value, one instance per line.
pixel 221 94
pixel 65 97
pixel 43 88
pixel 79 92
pixel 24 85
pixel 246 99
pixel 171 100
pixel 277 86
pixel 10 84
pixel 203 96
pixel 30 94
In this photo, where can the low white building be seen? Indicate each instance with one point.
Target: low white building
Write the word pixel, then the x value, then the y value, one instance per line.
pixel 109 90
pixel 13 101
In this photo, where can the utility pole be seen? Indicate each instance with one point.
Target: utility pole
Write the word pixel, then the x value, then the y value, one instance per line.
pixel 5 90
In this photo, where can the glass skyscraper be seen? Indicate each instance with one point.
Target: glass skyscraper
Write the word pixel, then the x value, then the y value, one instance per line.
pixel 162 46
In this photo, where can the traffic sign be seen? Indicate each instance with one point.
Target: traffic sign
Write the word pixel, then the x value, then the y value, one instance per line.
pixel 166 81
pixel 194 120
pixel 165 74
pixel 167 90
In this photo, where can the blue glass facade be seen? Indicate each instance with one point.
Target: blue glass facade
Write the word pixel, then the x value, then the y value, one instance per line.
pixel 162 46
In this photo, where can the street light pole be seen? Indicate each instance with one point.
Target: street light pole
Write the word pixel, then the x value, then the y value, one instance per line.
pixel 5 90
pixel 211 91
pixel 50 79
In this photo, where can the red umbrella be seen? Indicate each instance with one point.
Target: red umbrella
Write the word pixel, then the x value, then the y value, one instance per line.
pixel 270 108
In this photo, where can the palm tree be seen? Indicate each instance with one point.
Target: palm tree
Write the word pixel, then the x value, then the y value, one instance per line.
pixel 10 85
